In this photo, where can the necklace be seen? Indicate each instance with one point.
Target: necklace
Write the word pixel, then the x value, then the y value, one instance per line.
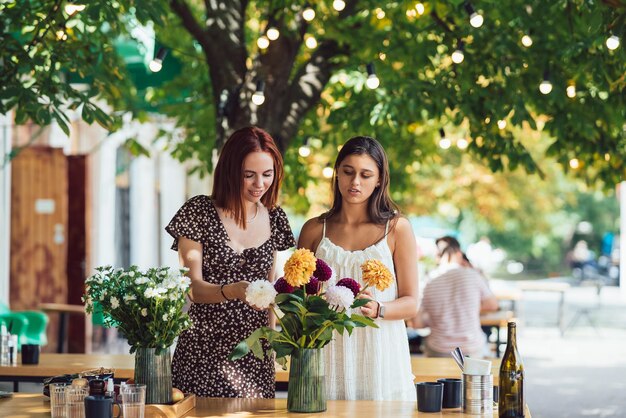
pixel 249 221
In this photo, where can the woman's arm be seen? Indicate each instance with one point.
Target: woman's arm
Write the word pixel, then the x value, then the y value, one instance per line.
pixel 190 256
pixel 405 264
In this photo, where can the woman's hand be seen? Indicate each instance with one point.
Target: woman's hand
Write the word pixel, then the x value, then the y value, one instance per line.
pixel 370 309
pixel 237 290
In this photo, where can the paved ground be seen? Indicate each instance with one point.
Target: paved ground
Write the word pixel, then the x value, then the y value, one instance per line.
pixel 581 373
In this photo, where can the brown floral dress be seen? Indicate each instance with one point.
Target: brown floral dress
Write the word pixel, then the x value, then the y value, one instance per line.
pixel 200 364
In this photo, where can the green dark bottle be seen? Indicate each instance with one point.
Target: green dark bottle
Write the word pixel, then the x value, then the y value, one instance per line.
pixel 511 398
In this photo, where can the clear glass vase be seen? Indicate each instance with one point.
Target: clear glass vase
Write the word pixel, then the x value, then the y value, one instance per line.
pixel 306 391
pixel 155 371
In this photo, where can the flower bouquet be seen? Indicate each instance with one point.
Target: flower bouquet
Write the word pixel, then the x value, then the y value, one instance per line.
pixel 308 311
pixel 147 308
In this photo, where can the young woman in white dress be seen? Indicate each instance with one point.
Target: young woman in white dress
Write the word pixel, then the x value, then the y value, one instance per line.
pixel 363 223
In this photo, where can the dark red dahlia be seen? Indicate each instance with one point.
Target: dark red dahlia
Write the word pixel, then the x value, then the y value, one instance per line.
pixel 323 272
pixel 351 284
pixel 313 286
pixel 282 286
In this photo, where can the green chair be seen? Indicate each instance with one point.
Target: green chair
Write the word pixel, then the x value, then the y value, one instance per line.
pixel 29 326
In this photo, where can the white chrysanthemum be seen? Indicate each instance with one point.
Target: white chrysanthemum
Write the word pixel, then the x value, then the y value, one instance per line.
pixel 141 280
pixel 165 317
pixel 260 293
pixel 339 296
pixel 150 292
pixel 115 303
pixel 131 273
pixel 144 312
pixel 128 298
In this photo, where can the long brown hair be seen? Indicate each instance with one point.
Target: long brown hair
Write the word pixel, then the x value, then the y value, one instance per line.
pixel 228 177
pixel 380 206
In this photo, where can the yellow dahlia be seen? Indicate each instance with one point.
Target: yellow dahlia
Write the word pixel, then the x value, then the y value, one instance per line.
pixel 300 267
pixel 375 273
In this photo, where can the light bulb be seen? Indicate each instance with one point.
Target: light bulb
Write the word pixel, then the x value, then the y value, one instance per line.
pixel 380 13
pixel 571 90
pixel 607 156
pixel 327 172
pixel 308 14
pixel 420 8
pixel 61 35
pixel 273 34
pixel 156 65
pixel 310 42
pixel 501 124
pixel 612 42
pixel 458 56
pixel 263 42
pixel 372 82
pixel 304 151
pixel 71 8
pixel 545 87
pixel 527 41
pixel 339 5
pixel 476 20
pixel 574 163
pixel 258 98
pixel 462 143
pixel 445 143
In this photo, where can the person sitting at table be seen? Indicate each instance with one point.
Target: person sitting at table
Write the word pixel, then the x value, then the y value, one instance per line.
pixel 452 303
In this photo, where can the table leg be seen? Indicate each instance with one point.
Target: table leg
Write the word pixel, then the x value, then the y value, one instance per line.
pixel 16 386
pixel 498 341
pixel 62 332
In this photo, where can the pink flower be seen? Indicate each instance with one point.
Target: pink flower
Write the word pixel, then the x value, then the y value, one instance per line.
pixel 323 272
pixel 351 284
pixel 282 286
pixel 313 286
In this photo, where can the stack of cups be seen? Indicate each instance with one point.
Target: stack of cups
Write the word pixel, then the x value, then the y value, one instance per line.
pixel 477 387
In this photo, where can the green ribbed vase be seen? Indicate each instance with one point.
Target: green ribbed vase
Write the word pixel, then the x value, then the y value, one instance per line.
pixel 306 391
pixel 154 371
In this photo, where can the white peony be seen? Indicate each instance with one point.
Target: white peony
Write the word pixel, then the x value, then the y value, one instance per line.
pixel 339 296
pixel 260 293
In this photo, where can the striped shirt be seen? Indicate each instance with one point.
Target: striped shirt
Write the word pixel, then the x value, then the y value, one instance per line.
pixel 452 304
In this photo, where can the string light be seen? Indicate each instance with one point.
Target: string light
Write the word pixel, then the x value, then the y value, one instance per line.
pixel 419 7
pixel 372 81
pixel 263 42
pixel 304 149
pixel 457 55
pixel 308 13
pixel 71 7
pixel 501 124
pixel 310 41
pixel 574 163
pixel 273 34
pixel 258 98
pixel 380 13
pixel 327 171
pixel 607 156
pixel 339 5
pixel 527 41
pixel 61 35
pixel 546 86
pixel 157 63
pixel 476 20
pixel 444 142
pixel 571 89
pixel 462 143
pixel 612 42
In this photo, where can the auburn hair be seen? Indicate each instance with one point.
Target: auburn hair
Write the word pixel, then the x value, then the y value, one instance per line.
pixel 228 177
pixel 381 207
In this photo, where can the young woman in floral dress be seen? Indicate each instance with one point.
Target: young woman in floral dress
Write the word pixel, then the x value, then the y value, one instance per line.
pixel 227 241
pixel 362 224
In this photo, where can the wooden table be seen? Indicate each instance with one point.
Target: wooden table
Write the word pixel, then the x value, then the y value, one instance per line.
pixel 34 406
pixel 425 369
pixel 64 310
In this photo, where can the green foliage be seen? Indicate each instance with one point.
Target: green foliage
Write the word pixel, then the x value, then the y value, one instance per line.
pixel 306 321
pixel 147 306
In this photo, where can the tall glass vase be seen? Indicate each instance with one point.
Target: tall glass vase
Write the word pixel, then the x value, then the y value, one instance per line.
pixel 306 391
pixel 155 371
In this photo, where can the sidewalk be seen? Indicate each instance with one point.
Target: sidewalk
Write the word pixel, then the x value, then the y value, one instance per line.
pixel 583 372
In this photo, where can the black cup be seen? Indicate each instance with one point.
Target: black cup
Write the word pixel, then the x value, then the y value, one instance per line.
pixel 30 354
pixel 452 392
pixel 100 407
pixel 429 396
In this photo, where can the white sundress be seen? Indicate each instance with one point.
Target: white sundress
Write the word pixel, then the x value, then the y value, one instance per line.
pixel 372 363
